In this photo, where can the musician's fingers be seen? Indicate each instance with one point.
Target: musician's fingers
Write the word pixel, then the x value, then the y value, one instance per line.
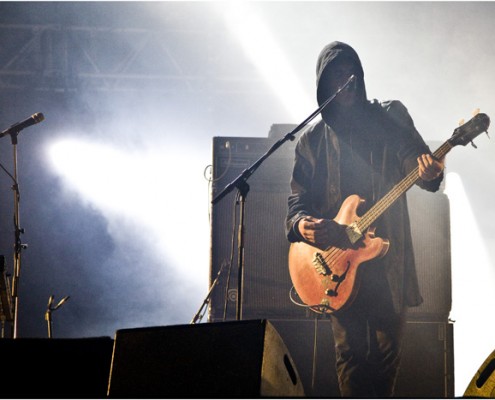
pixel 314 224
pixel 438 164
pixel 421 164
pixel 429 167
pixel 319 237
pixel 306 223
pixel 424 170
pixel 424 161
pixel 428 161
pixel 311 221
pixel 309 228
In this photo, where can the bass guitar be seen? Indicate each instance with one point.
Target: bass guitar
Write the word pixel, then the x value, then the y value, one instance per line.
pixel 325 280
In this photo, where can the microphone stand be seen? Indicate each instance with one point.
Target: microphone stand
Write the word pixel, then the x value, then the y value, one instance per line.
pixel 13 131
pixel 18 245
pixel 199 315
pixel 243 188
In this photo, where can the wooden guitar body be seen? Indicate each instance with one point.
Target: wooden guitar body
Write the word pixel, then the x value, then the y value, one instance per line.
pixel 326 280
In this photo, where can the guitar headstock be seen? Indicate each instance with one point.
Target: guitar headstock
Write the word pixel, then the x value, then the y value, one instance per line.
pixel 465 133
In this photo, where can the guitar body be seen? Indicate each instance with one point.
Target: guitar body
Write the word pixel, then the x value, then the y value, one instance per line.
pixel 325 280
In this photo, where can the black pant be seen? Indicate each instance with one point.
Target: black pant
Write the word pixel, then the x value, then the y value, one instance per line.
pixel 368 338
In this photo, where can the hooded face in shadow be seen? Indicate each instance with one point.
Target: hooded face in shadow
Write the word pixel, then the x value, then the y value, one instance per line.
pixel 337 62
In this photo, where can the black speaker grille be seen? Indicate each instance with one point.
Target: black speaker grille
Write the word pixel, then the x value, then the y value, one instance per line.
pixel 266 276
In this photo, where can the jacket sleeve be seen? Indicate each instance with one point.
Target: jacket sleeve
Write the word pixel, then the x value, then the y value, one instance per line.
pixel 413 144
pixel 299 201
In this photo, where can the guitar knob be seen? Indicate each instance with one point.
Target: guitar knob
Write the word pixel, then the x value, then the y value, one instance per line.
pixel 331 292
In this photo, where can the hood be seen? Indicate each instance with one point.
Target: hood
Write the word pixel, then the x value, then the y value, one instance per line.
pixel 330 53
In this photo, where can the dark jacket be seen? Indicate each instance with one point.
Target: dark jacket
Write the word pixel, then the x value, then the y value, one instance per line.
pixel 366 154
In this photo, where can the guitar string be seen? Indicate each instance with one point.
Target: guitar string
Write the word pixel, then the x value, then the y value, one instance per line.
pixel 334 254
pixel 365 222
pixel 396 192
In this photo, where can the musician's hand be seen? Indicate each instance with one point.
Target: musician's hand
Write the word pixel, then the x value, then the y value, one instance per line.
pixel 429 167
pixel 324 233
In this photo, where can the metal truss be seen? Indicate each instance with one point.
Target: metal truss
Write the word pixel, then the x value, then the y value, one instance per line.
pixel 50 57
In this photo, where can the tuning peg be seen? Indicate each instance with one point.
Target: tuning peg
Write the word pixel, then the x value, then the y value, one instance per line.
pixel 476 111
pixel 472 144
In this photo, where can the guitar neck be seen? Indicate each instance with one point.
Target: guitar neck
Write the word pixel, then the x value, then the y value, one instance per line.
pixel 398 190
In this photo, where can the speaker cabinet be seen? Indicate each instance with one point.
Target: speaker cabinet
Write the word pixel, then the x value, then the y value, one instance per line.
pixel 483 383
pixel 427 366
pixel 55 368
pixel 429 214
pixel 223 360
pixel 266 276
pixel 266 279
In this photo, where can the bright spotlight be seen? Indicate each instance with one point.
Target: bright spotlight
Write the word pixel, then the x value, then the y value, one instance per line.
pixel 143 190
pixel 264 52
pixel 472 287
pixel 100 174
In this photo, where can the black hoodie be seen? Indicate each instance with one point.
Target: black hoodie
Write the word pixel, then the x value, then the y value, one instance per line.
pixel 366 153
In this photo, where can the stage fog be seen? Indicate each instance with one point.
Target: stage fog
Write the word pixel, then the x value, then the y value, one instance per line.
pixel 115 183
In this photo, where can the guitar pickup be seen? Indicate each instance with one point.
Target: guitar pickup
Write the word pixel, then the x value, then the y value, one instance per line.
pixel 353 232
pixel 320 264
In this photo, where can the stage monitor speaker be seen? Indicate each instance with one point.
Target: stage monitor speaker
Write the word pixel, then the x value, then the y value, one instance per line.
pixel 223 360
pixel 266 277
pixel 34 368
pixel 483 383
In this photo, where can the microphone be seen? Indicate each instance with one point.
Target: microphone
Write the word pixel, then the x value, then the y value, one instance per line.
pixel 19 126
